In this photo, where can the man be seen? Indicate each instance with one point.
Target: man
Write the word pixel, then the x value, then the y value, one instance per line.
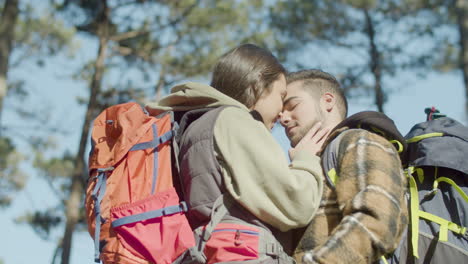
pixel 363 212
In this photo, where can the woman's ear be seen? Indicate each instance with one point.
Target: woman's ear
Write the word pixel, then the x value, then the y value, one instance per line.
pixel 328 102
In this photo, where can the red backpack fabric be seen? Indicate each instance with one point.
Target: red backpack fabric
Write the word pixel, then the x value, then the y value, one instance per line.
pixel 133 210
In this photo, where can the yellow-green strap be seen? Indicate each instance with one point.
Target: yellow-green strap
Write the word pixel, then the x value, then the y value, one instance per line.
pixel 424 136
pixel 419 172
pixel 409 171
pixel 398 143
pixel 445 225
pixel 378 131
pixel 394 141
pixel 384 260
pixel 332 175
pixel 451 182
pixel 415 213
pixel 414 209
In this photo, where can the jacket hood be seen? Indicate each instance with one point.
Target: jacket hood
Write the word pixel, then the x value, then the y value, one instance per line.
pixel 190 96
pixel 378 123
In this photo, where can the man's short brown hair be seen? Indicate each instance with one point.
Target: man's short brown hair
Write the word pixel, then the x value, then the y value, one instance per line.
pixel 317 83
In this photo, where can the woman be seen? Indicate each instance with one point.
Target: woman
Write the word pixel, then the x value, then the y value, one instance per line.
pixel 237 181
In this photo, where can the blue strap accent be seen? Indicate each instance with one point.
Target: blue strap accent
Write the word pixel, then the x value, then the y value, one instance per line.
pixel 97 195
pixel 250 232
pixel 166 137
pixel 153 144
pixel 182 207
pixel 144 110
pixel 156 140
pixel 150 144
pixel 155 170
pixel 162 139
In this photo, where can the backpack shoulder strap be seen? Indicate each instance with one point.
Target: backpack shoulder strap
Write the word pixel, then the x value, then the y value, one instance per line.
pixel 329 160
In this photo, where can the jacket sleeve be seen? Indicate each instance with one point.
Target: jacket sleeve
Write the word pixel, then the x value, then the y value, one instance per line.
pixel 371 195
pixel 257 174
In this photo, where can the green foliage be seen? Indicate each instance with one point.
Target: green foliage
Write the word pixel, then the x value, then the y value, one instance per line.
pixel 448 58
pixel 166 41
pixel 56 171
pixel 40 34
pixel 54 167
pixel 42 221
pixel 18 89
pixel 45 34
pixel 12 178
pixel 380 39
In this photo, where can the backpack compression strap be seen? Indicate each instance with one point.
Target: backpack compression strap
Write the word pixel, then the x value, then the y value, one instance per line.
pixel 97 195
pixel 416 214
pixel 153 144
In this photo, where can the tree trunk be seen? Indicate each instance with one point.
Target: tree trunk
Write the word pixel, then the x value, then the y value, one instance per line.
pixel 7 31
pixel 461 11
pixel 161 83
pixel 73 204
pixel 374 63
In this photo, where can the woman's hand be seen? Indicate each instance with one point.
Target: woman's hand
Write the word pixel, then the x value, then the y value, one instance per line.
pixel 312 141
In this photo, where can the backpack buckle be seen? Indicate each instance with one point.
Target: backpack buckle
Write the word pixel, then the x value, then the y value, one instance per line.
pixel 183 206
pixel 272 249
pixel 93 178
pixel 106 169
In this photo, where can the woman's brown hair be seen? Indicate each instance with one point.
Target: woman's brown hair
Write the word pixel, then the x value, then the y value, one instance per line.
pixel 246 72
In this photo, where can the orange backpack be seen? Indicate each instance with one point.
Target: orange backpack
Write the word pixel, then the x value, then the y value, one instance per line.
pixel 133 210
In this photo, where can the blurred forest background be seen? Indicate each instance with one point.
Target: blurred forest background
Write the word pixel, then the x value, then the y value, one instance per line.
pixel 63 61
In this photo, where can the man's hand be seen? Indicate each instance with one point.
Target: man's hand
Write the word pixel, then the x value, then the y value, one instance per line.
pixel 312 141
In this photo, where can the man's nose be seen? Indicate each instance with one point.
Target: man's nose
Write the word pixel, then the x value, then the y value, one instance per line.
pixel 284 119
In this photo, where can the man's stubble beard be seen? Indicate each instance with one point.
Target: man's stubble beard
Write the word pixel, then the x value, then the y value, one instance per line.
pixel 303 131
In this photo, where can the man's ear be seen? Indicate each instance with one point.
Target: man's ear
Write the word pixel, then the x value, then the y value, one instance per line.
pixel 328 102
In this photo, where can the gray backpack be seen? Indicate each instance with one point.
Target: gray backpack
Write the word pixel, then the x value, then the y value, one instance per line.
pixel 437 169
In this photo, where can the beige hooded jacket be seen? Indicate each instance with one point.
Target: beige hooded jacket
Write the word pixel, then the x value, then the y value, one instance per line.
pixel 255 170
